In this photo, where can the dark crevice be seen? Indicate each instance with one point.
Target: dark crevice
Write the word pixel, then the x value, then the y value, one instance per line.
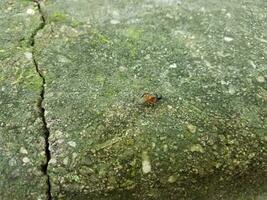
pixel 42 96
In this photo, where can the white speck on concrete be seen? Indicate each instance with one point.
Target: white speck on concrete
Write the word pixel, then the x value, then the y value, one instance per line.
pixel 165 147
pixel 114 21
pixel 261 39
pixel 228 15
pixel 28 55
pixel 66 161
pixel 228 39
pixel 147 56
pixel 197 148
pixel 30 11
pixel 170 107
pixel 223 82
pixel 72 143
pixel 23 150
pixel 260 79
pixel 25 160
pixel 146 165
pixel 191 128
pixel 52 161
pixel 202 9
pixel 172 179
pixel 42 153
pixel 231 89
pixel 173 66
pixel 252 64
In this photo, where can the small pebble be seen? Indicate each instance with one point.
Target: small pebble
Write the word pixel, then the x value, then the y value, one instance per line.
pixel 172 179
pixel 28 55
pixel 146 166
pixel 23 150
pixel 72 143
pixel 197 148
pixel 173 66
pixel 192 128
pixel 25 160
pixel 260 79
pixel 114 21
pixel 30 11
pixel 228 39
pixel 52 161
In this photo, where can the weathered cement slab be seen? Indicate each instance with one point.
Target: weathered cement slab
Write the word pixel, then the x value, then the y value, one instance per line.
pixel 206 139
pixel 22 144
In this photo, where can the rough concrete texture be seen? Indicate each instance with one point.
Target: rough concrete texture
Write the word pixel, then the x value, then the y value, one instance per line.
pixel 22 142
pixel 205 139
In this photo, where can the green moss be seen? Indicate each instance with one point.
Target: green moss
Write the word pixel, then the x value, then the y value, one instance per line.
pixel 28 78
pixel 194 136
pixel 58 17
pixel 76 23
pixel 134 33
pixel 99 38
pixel 26 2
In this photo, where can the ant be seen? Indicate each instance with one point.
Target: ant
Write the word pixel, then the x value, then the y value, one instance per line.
pixel 151 99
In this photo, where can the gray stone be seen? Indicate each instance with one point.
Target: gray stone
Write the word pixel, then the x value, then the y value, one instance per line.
pixel 204 57
pixel 206 137
pixel 21 136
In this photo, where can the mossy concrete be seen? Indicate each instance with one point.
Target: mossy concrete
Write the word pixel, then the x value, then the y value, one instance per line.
pixel 205 139
pixel 21 136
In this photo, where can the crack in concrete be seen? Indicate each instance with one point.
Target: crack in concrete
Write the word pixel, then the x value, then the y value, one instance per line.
pixel 40 103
